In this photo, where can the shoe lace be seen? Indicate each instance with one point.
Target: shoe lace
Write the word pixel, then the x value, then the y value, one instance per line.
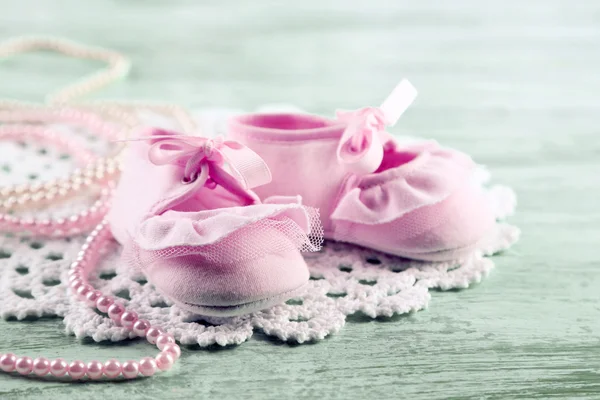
pixel 360 149
pixel 212 162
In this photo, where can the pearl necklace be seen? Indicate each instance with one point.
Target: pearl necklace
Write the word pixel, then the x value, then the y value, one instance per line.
pixel 101 118
pixel 118 65
pixel 83 291
pixel 94 171
pixel 23 121
pixel 97 173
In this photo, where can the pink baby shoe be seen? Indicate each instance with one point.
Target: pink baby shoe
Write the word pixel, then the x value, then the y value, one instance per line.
pixel 419 201
pixel 185 214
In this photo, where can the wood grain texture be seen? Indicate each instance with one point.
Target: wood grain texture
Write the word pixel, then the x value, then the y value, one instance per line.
pixel 515 83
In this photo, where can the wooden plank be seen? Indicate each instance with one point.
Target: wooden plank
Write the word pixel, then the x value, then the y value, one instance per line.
pixel 515 83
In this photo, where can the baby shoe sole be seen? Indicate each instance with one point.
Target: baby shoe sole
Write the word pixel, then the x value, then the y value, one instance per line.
pixel 457 254
pixel 243 308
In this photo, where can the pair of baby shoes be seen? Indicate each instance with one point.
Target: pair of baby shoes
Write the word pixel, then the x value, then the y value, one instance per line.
pixel 218 226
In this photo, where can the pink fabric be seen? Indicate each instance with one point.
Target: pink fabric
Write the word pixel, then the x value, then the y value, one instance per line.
pixel 246 166
pixel 416 201
pixel 185 216
pixel 301 151
pixel 202 228
pixel 447 230
pixel 257 263
pixel 391 193
pixel 360 148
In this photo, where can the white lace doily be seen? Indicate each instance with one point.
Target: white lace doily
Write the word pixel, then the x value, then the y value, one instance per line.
pixel 345 280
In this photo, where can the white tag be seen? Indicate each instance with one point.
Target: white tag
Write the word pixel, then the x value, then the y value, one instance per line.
pixel 398 101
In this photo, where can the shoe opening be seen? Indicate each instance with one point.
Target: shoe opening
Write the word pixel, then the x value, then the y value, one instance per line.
pixel 286 121
pixel 393 158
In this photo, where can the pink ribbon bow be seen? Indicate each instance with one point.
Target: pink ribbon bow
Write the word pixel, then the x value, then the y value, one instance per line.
pixel 360 148
pixel 211 161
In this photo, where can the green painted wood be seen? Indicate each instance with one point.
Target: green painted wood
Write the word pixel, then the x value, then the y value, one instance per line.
pixel 515 83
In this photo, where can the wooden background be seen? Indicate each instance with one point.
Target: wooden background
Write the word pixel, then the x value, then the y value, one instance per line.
pixel 516 83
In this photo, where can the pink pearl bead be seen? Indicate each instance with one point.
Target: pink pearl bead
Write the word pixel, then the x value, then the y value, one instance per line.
pixel 164 361
pixel 59 367
pixel 115 312
pixel 76 284
pixel 131 369
pixel 141 327
pixel 27 223
pixel 103 303
pixel 83 291
pixel 95 370
pixel 148 366
pixel 75 272
pixel 163 340
pixel 112 368
pixel 77 369
pixel 7 362
pixel 41 366
pixel 74 267
pixel 173 349
pixel 128 319
pixel 92 297
pixel 24 365
pixel 153 334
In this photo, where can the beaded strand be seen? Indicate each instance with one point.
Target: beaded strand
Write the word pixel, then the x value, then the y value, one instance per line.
pixel 93 115
pixel 97 171
pixel 82 290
